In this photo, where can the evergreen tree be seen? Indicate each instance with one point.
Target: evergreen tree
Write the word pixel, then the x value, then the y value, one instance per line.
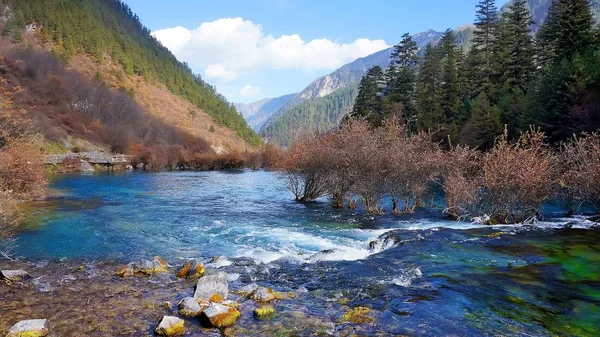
pixel 402 77
pixel 484 126
pixel 368 103
pixel 428 91
pixel 451 86
pixel 566 41
pixel 484 37
pixel 517 61
pixel 567 31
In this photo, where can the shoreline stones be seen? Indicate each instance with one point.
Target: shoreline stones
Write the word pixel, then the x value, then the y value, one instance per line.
pixel 212 288
pixel 30 328
pixel 170 326
pixel 192 269
pixel 14 275
pixel 221 316
pixel 144 267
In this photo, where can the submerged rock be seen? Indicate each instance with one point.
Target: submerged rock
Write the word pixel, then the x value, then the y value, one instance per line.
pixel 30 328
pixel 189 307
pixel 221 316
pixel 212 286
pixel 14 275
pixel 170 326
pixel 191 269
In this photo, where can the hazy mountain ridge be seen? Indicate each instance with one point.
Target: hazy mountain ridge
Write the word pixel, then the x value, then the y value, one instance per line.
pixel 257 113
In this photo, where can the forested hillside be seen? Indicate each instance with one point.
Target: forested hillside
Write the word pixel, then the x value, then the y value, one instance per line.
pixel 509 80
pixel 312 116
pixel 109 31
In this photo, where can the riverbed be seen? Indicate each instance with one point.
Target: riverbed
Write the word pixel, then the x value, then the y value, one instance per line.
pixel 419 274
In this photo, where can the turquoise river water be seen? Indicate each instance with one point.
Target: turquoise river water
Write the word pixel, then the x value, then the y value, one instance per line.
pixel 420 274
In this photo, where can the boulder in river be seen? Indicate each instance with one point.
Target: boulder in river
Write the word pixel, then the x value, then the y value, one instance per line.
pixel 14 275
pixel 170 326
pixel 189 307
pixel 213 287
pixel 191 269
pixel 221 316
pixel 30 328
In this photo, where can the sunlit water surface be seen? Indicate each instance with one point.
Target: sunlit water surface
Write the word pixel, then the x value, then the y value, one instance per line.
pixel 422 274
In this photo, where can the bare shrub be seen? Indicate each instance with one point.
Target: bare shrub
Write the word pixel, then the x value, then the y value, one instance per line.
pixel 409 165
pixel 365 153
pixel 305 169
pixel 517 178
pixel 580 171
pixel 461 181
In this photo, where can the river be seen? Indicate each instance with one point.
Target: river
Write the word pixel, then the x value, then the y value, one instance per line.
pixel 420 274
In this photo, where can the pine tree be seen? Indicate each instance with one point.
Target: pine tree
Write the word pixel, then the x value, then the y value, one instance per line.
pixel 428 90
pixel 451 86
pixel 517 61
pixel 566 41
pixel 484 126
pixel 402 77
pixel 567 31
pixel 485 34
pixel 368 103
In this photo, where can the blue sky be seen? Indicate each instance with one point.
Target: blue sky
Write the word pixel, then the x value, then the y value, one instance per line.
pixel 267 48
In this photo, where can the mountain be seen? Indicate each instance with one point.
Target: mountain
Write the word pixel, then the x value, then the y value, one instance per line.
pixel 294 115
pixel 257 113
pixel 104 40
pixel 351 73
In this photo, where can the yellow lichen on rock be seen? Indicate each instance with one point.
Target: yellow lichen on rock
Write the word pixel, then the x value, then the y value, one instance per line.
pixel 226 319
pixel 216 298
pixel 358 315
pixel 264 311
pixel 184 270
pixel 126 271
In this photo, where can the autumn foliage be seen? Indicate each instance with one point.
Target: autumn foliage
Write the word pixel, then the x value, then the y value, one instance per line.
pixel 507 184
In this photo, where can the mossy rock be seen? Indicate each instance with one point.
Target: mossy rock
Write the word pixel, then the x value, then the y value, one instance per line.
pixel 358 315
pixel 264 311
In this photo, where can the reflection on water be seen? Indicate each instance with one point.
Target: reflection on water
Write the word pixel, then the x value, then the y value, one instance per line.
pixel 421 274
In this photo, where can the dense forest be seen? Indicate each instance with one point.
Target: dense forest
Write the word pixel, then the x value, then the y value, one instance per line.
pixel 109 30
pixel 508 78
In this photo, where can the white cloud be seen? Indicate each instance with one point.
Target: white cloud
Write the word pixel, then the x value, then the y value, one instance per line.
pixel 226 47
pixel 249 90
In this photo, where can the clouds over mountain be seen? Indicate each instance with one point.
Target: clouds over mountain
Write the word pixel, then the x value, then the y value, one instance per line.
pixel 227 47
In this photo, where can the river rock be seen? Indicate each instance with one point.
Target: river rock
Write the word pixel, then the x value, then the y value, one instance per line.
pixel 212 287
pixel 263 295
pixel 247 290
pixel 170 326
pixel 14 275
pixel 30 328
pixel 189 307
pixel 221 316
pixel 157 265
pixel 191 269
